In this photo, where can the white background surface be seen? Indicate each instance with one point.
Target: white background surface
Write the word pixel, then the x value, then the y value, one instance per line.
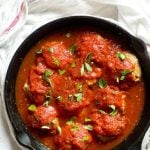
pixel 133 14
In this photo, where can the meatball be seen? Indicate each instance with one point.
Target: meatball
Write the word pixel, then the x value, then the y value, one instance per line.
pixel 44 118
pixel 70 96
pixel 73 136
pixel 56 55
pixel 105 125
pixel 91 42
pixel 38 87
pixel 74 102
pixel 109 96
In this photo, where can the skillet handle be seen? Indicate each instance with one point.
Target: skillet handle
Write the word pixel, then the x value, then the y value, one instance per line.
pixel 29 142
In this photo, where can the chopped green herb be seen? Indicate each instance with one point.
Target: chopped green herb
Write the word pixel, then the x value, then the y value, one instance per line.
pixel 59 129
pixel 72 48
pixel 114 110
pixel 68 35
pixel 46 75
pixel 97 102
pixel 55 121
pixel 102 83
pixel 26 87
pixel 88 127
pixel 117 80
pixel 124 73
pixel 88 58
pixel 71 121
pixel 46 103
pixel 32 107
pixel 45 127
pixel 74 128
pixel 121 56
pixel 85 138
pixel 102 111
pixel 61 72
pixel 39 51
pixel 59 98
pixel 82 70
pixel 88 67
pixel 73 64
pixel 48 96
pixel 78 96
pixel 87 120
pixel 51 49
pixel 56 61
pixel 79 87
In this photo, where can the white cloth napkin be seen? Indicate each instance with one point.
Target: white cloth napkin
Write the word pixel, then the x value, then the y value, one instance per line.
pixel 19 18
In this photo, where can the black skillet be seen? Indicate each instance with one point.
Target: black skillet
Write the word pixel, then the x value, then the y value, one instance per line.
pixel 137 46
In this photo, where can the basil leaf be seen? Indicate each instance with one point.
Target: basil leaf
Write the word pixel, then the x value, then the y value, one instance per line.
pixel 32 108
pixel 85 138
pixel 59 129
pixel 102 83
pixel 71 121
pixel 72 48
pixel 51 49
pixel 45 127
pixel 102 111
pixel 78 96
pixel 56 61
pixel 124 73
pixel 74 128
pixel 73 64
pixel 88 67
pixel 114 110
pixel 79 87
pixel 88 127
pixel 82 70
pixel 61 72
pixel 39 51
pixel 87 120
pixel 121 56
pixel 46 75
pixel 68 35
pixel 59 98
pixel 88 58
pixel 55 121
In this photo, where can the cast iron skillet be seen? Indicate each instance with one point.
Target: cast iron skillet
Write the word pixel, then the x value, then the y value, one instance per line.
pixel 137 46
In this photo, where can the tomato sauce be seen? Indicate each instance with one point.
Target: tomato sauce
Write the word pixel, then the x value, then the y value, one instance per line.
pixel 80 90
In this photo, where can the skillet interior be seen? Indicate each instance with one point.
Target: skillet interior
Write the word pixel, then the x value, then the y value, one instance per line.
pixel 135 45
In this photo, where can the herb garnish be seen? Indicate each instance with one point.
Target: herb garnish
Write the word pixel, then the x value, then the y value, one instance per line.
pixel 78 96
pixel 68 35
pixel 88 67
pixel 114 110
pixel 39 51
pixel 74 128
pixel 124 73
pixel 88 127
pixel 46 75
pixel 59 98
pixel 87 120
pixel 72 48
pixel 56 61
pixel 79 87
pixel 61 72
pixel 32 107
pixel 88 58
pixel 121 56
pixel 85 138
pixel 50 49
pixel 102 83
pixel 73 64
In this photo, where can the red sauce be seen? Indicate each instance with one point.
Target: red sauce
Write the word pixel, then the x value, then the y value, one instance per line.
pixel 79 91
